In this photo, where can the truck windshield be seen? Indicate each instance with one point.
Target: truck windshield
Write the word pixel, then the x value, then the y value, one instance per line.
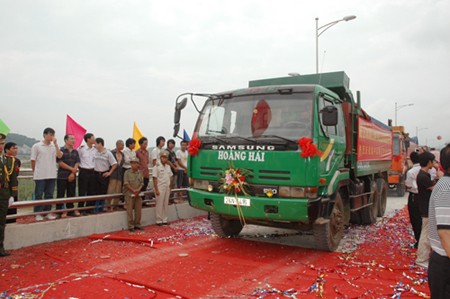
pixel 396 149
pixel 258 116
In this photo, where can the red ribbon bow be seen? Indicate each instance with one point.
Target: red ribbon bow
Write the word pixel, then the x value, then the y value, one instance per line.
pixel 307 147
pixel 194 147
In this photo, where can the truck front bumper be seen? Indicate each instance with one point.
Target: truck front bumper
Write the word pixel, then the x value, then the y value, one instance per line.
pixel 255 208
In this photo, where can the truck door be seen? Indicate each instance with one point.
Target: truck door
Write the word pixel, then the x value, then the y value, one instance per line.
pixel 331 138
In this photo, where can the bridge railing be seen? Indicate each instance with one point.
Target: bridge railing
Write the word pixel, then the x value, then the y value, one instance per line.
pixel 148 195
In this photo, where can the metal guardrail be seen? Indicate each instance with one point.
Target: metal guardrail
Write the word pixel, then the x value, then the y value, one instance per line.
pixel 32 203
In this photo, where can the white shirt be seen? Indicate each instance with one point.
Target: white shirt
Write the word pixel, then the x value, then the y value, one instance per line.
pixel 155 155
pixel 433 173
pixel 45 158
pixel 162 173
pixel 104 160
pixel 183 156
pixel 411 178
pixel 127 155
pixel 86 156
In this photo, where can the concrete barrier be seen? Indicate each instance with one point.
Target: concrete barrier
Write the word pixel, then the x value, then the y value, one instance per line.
pixel 21 235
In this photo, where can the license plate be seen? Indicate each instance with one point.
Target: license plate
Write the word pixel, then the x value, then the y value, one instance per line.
pixel 228 200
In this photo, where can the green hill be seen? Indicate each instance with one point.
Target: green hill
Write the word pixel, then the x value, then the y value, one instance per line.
pixel 21 140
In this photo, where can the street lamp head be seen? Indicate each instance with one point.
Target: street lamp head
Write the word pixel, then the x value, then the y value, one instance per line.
pixel 348 18
pixel 320 30
pixel 398 107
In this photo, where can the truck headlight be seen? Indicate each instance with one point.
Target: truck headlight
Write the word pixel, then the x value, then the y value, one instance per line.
pixel 298 192
pixel 202 185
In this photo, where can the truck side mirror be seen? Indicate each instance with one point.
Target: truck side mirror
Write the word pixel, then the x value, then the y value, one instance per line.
pixel 180 105
pixel 176 129
pixel 329 116
pixel 177 116
pixel 407 144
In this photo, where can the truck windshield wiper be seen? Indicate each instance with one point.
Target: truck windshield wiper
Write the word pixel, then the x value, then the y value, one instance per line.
pixel 278 137
pixel 242 138
pixel 211 138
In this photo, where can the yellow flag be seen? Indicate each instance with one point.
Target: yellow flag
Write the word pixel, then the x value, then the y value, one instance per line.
pixel 137 134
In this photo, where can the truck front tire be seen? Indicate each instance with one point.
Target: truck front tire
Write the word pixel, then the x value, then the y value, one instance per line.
pixel 328 234
pixel 383 189
pixel 224 227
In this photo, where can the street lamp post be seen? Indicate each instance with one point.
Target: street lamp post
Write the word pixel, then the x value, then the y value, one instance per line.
pixel 322 29
pixel 398 107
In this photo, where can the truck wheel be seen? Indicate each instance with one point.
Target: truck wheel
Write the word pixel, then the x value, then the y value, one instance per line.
pixel 401 189
pixel 383 189
pixel 224 227
pixel 355 218
pixel 369 214
pixel 347 212
pixel 328 234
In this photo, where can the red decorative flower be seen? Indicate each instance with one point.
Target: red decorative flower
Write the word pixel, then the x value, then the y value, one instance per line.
pixel 194 147
pixel 307 147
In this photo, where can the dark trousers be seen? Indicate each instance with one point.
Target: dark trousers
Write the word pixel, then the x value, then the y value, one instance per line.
pixel 101 187
pixel 414 215
pixel 86 182
pixel 182 179
pixel 439 276
pixel 144 186
pixel 4 197
pixel 123 172
pixel 63 188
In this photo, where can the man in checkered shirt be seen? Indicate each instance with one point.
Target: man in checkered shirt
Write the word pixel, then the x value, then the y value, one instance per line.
pixel 439 232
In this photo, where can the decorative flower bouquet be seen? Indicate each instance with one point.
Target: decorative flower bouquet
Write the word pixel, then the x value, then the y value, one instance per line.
pixel 233 181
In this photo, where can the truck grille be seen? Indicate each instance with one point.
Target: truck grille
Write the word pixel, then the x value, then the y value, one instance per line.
pixel 263 174
pixel 254 190
pixel 279 175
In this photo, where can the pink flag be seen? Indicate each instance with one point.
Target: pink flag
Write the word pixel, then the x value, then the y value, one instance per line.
pixel 74 128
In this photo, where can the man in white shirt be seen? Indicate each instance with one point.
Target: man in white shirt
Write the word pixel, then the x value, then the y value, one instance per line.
pixel 155 158
pixel 182 159
pixel 43 163
pixel 128 153
pixel 86 179
pixel 411 187
pixel 104 165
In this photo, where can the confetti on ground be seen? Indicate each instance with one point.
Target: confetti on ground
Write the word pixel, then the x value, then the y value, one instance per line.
pixel 374 261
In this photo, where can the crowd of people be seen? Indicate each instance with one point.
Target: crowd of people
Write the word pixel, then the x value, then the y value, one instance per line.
pixel 125 170
pixel 96 171
pixel 428 183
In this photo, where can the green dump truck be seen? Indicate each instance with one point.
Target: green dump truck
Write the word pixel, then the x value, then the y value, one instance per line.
pixel 292 152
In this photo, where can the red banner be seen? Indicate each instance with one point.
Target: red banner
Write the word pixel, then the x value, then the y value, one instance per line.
pixel 374 142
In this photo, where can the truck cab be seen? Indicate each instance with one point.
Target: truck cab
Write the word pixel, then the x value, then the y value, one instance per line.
pixel 282 153
pixel 399 166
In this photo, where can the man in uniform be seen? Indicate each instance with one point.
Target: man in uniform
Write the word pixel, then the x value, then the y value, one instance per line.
pixel 6 172
pixel 13 166
pixel 161 184
pixel 133 181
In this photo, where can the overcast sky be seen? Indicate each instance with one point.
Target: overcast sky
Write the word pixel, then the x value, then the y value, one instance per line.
pixel 110 63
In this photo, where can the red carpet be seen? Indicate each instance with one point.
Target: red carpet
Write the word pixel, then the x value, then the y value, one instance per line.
pixel 186 260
